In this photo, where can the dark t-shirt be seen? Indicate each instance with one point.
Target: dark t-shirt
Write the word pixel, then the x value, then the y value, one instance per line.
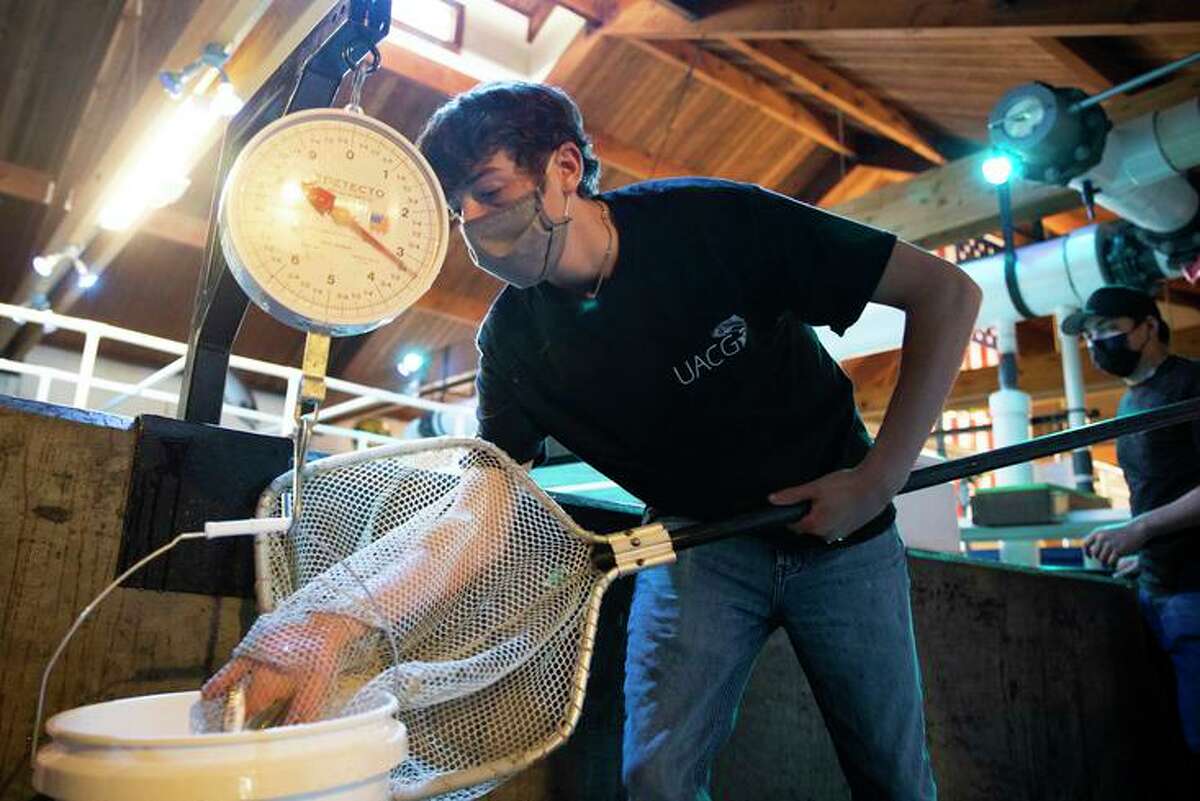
pixel 694 379
pixel 1160 466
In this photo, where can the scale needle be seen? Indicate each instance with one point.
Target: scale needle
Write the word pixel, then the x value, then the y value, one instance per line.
pixel 325 204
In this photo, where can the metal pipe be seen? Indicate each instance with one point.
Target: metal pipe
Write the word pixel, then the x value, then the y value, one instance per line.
pixel 1139 177
pixel 1047 445
pixel 1134 83
pixel 1073 390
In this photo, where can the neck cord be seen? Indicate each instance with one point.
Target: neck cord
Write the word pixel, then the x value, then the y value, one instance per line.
pixel 607 251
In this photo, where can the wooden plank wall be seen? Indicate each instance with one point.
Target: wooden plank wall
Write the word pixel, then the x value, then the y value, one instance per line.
pixel 63 484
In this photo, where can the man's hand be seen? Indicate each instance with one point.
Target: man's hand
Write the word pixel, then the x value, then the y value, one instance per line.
pixel 297 666
pixel 842 502
pixel 1109 543
pixel 1128 567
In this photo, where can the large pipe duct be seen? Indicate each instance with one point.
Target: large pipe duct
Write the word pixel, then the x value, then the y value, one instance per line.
pixel 1057 272
pixel 1140 176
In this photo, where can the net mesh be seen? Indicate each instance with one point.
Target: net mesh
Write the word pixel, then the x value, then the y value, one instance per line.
pixel 439 572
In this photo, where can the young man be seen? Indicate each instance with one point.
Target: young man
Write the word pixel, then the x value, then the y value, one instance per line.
pixel 662 332
pixel 1128 337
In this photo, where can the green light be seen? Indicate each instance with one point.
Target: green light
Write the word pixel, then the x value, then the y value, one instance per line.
pixel 411 363
pixel 997 169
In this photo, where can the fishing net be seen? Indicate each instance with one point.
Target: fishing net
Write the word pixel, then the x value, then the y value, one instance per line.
pixel 439 572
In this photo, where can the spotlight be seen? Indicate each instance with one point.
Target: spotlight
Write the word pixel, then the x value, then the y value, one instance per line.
pixel 410 363
pixel 87 279
pixel 175 81
pixel 997 169
pixel 44 265
pixel 226 102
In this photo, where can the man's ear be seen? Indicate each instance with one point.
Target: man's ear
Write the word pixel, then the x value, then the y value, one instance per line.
pixel 568 161
pixel 1152 326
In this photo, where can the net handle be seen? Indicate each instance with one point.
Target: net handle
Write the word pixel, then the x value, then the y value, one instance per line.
pixel 690 536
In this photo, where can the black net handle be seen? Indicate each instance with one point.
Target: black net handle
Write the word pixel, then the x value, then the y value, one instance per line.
pixel 1047 445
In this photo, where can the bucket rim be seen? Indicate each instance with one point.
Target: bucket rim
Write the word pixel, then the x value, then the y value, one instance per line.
pixel 58 726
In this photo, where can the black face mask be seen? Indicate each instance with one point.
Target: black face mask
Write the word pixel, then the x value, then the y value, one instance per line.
pixel 1112 355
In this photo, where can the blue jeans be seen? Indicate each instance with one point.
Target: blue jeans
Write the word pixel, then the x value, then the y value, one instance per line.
pixel 696 627
pixel 1174 621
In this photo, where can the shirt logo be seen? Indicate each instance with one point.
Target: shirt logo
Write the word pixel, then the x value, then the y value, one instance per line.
pixel 730 337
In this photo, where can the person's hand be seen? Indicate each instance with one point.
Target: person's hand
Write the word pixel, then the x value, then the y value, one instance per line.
pixel 1108 543
pixel 1128 567
pixel 296 667
pixel 842 502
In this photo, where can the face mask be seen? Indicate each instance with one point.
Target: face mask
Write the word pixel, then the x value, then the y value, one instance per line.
pixel 520 245
pixel 1112 355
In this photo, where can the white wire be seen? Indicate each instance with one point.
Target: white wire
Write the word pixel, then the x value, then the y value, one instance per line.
pixel 87 610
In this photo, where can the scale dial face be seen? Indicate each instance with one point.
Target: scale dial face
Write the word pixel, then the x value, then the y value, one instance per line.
pixel 333 222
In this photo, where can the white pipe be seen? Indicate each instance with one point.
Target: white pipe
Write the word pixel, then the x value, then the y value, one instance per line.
pixel 1139 178
pixel 1074 391
pixel 1051 273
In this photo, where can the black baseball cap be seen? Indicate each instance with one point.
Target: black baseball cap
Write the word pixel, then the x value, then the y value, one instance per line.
pixel 1109 302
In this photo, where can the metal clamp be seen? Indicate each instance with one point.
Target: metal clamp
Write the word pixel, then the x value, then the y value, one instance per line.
pixel 642 547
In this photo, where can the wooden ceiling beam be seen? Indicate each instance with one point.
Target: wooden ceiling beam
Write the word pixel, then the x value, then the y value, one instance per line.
pixel 786 164
pixel 427 72
pixel 26 183
pixel 633 161
pixel 809 75
pixel 738 83
pixel 448 81
pixel 951 203
pixel 858 181
pixel 1086 75
pixel 928 19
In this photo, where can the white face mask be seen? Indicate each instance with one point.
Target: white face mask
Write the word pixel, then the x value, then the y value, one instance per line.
pixel 521 244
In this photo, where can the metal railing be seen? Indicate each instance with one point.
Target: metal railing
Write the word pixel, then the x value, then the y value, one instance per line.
pixel 86 380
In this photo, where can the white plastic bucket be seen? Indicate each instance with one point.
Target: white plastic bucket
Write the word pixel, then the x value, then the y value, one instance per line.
pixel 140 749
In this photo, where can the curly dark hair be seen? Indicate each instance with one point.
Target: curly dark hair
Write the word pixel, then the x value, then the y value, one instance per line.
pixel 528 121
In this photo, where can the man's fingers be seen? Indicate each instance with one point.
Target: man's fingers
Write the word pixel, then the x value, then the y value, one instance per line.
pixel 306 704
pixel 225 678
pixel 267 685
pixel 793 495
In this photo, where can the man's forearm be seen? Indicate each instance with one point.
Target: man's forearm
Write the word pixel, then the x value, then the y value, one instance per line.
pixel 1179 514
pixel 455 547
pixel 937 328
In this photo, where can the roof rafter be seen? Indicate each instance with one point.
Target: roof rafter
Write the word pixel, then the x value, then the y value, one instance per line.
pixel 1067 54
pixel 26 183
pixel 771 19
pixel 738 83
pixel 445 80
pixel 809 75
pixel 859 180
